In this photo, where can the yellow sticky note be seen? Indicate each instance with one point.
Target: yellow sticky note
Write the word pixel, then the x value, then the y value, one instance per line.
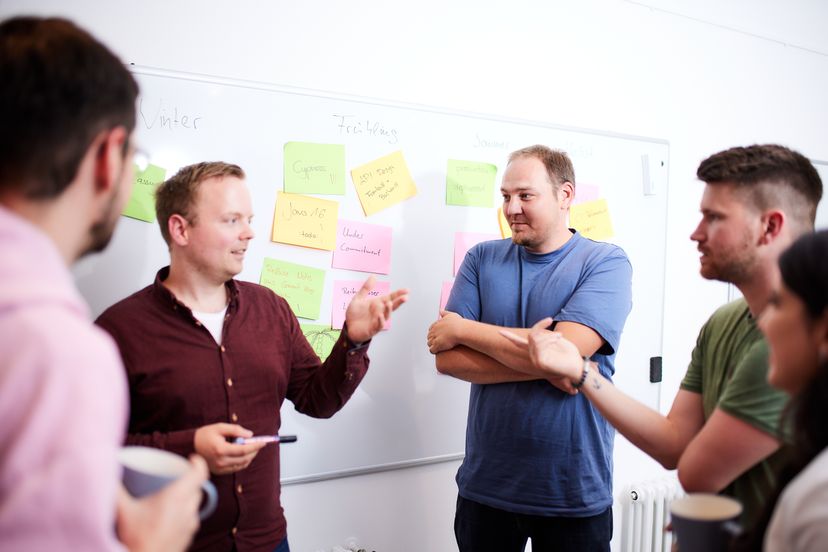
pixel 592 219
pixel 505 229
pixel 306 221
pixel 383 183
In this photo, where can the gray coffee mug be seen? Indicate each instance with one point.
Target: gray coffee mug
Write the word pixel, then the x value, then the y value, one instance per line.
pixel 148 470
pixel 705 522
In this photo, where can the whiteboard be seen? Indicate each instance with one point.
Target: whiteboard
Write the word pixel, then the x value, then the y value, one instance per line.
pixel 404 412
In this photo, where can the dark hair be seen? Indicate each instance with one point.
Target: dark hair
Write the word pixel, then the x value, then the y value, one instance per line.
pixel 770 176
pixel 59 88
pixel 177 195
pixel 558 165
pixel 804 268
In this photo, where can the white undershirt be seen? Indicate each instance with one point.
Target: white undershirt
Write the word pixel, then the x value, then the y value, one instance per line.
pixel 213 321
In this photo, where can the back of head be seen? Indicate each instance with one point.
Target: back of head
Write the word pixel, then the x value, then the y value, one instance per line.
pixel 768 177
pixel 177 195
pixel 558 164
pixel 804 268
pixel 58 90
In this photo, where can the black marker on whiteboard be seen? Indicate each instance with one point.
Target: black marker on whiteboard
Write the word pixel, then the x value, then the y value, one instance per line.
pixel 265 439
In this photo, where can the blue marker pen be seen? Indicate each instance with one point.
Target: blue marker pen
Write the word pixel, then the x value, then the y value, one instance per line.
pixel 265 439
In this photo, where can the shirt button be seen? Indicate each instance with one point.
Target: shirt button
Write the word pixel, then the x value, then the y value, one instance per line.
pixel 229 382
pixel 234 417
pixel 349 376
pixel 223 349
pixel 198 323
pixel 239 488
pixel 234 530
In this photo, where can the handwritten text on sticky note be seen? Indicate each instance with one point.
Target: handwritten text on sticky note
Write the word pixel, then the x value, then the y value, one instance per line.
pixel 321 338
pixel 362 246
pixel 592 219
pixel 306 221
pixel 470 183
pixel 141 203
pixel 301 286
pixel 314 168
pixel 383 183
pixel 344 291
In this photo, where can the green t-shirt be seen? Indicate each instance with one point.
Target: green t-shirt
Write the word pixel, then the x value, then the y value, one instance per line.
pixel 729 367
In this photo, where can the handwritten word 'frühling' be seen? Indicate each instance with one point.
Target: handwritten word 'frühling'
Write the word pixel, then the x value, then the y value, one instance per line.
pixel 350 125
pixel 164 118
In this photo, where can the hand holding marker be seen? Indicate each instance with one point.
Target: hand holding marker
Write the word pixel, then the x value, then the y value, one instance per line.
pixel 265 439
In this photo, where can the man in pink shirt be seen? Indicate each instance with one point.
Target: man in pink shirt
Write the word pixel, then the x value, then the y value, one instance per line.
pixel 67 110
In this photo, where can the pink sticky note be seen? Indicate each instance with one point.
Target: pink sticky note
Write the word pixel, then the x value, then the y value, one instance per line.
pixel 586 192
pixel 362 246
pixel 463 241
pixel 444 294
pixel 344 291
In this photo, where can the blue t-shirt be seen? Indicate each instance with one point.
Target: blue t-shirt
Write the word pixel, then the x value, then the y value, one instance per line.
pixel 531 448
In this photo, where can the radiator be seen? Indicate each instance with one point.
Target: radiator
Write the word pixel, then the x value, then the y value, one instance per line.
pixel 645 511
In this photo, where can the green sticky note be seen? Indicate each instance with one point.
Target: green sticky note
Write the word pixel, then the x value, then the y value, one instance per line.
pixel 301 286
pixel 141 204
pixel 470 183
pixel 321 337
pixel 314 168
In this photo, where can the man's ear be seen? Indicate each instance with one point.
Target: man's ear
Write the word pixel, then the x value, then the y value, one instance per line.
pixel 179 229
pixel 772 223
pixel 110 158
pixel 566 193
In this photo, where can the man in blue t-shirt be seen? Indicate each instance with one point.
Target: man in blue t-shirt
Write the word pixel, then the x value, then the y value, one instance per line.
pixel 538 455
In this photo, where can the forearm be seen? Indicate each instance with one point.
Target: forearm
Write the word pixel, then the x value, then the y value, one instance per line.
pixel 475 367
pixel 487 340
pixel 647 429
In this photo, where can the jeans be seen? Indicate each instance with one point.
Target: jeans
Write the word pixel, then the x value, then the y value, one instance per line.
pixel 480 528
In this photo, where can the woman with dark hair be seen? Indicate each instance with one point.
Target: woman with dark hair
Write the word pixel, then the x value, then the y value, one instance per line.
pixel 795 324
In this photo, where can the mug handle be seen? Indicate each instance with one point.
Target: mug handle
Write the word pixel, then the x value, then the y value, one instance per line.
pixel 211 502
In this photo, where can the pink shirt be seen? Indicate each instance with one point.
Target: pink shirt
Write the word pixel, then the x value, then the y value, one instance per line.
pixel 63 404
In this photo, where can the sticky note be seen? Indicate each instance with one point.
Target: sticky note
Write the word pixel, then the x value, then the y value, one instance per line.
pixel 592 219
pixel 300 286
pixel 463 241
pixel 321 338
pixel 306 221
pixel 344 291
pixel 505 229
pixel 311 168
pixel 445 292
pixel 383 183
pixel 362 246
pixel 470 183
pixel 585 193
pixel 141 204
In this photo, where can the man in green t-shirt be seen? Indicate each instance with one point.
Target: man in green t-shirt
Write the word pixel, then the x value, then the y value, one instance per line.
pixel 722 432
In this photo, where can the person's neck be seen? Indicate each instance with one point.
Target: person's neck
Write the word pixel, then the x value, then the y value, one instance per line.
pixel 555 242
pixel 57 218
pixel 758 289
pixel 199 292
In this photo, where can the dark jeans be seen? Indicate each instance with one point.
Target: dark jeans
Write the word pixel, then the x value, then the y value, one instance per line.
pixel 480 528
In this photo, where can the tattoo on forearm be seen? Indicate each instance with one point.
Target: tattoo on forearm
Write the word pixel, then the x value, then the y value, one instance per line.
pixel 596 384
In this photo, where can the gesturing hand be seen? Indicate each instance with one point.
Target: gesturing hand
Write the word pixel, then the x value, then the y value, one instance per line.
pixel 367 314
pixel 550 351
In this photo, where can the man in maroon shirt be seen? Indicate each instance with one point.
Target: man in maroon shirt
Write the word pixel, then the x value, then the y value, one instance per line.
pixel 210 358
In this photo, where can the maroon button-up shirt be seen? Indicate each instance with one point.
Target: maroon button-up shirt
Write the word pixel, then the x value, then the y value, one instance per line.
pixel 180 380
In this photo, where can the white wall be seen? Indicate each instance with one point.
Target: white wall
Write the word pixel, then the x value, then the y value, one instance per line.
pixel 704 75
